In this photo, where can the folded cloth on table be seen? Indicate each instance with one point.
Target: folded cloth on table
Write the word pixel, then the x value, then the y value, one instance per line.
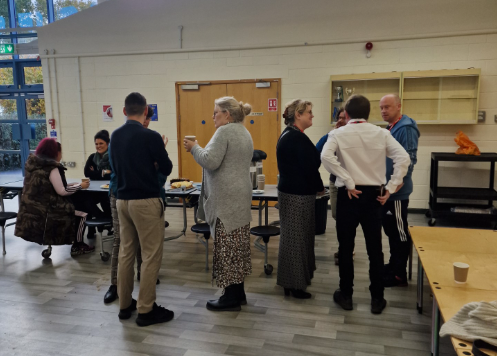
pixel 475 321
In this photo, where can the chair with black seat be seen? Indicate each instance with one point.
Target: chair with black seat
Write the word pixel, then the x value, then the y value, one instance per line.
pixel 203 229
pixel 100 224
pixel 264 233
pixel 4 216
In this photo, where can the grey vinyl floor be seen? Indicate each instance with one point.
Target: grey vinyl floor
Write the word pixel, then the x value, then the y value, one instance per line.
pixel 55 306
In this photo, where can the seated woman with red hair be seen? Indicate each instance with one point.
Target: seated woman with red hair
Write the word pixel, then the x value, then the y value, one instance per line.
pixel 47 215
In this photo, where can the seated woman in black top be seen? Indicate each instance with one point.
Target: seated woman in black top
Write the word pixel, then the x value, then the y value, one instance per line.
pixel 98 168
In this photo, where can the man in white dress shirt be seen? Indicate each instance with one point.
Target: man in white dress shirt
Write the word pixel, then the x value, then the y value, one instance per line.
pixel 355 154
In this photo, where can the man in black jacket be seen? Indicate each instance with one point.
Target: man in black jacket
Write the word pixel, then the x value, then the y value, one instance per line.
pixel 134 151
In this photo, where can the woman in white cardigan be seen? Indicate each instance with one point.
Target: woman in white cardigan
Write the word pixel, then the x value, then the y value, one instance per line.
pixel 226 199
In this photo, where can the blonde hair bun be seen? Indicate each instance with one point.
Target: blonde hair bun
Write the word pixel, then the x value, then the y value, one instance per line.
pixel 246 108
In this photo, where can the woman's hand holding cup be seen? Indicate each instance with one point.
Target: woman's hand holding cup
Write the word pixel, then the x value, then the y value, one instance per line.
pixel 85 183
pixel 189 142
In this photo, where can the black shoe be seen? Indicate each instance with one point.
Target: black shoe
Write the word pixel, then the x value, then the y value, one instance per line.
pixel 391 280
pixel 111 294
pixel 166 224
pixel 242 298
pixel 377 305
pixel 298 293
pixel 342 300
pixel 138 278
pixel 229 301
pixel 126 313
pixel 157 315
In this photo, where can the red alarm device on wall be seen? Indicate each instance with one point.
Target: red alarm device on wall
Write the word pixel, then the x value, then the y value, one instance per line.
pixel 52 123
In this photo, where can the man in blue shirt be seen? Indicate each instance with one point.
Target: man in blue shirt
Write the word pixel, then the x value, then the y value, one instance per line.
pixel 137 155
pixel 394 214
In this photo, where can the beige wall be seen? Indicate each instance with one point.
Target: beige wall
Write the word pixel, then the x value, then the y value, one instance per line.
pixel 304 71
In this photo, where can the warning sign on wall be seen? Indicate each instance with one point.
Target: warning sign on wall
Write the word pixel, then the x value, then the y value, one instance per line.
pixel 272 104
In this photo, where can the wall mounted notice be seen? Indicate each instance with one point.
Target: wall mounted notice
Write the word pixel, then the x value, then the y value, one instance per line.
pixel 272 104
pixel 156 113
pixel 107 113
pixel 53 134
pixel 256 114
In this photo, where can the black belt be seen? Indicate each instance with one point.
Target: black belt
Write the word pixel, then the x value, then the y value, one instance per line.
pixel 479 344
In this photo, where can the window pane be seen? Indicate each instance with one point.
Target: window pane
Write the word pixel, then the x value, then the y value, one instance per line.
pixel 31 13
pixel 6 141
pixel 11 163
pixel 27 50
pixel 35 108
pixel 4 14
pixel 65 8
pixel 6 76
pixel 33 75
pixel 8 109
pixel 40 134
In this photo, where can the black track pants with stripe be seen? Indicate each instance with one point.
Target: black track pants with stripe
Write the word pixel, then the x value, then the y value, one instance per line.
pixel 394 220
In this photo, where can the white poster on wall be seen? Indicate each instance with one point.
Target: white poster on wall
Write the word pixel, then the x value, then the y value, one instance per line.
pixel 107 113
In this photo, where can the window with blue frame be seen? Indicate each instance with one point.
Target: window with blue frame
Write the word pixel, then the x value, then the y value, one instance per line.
pixel 22 103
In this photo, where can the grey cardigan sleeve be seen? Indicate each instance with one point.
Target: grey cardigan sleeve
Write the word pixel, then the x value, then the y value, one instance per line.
pixel 213 154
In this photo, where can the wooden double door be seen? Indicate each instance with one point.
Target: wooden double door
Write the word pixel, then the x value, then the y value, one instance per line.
pixel 195 106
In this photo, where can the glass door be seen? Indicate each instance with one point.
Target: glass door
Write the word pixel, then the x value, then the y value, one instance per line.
pixel 22 114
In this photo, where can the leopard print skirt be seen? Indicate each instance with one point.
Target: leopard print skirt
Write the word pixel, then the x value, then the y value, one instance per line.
pixel 231 262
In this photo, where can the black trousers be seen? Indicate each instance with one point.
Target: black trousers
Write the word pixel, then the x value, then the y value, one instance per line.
pixel 350 213
pixel 394 219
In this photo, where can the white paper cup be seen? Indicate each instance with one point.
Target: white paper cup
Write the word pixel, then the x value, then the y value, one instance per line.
pixel 191 138
pixel 461 272
pixel 260 185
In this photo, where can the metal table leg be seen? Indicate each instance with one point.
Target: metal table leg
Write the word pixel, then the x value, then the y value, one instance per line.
pixel 267 211
pixel 435 328
pixel 184 225
pixel 411 248
pixel 420 287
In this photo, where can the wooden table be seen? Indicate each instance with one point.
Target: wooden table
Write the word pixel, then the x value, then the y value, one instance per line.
pixel 438 249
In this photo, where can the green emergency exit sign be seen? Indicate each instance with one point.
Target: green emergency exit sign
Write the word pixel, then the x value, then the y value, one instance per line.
pixel 6 49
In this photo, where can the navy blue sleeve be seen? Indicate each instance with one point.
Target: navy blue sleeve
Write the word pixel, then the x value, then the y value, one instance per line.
pixel 321 143
pixel 159 154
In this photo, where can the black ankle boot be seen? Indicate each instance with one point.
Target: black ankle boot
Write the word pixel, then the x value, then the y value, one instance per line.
pixel 242 298
pixel 229 301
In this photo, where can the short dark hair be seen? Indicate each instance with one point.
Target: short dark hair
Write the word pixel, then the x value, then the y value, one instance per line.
pixel 103 135
pixel 150 112
pixel 135 104
pixel 48 148
pixel 358 107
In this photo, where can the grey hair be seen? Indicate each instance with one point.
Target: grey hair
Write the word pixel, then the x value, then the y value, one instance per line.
pixel 237 110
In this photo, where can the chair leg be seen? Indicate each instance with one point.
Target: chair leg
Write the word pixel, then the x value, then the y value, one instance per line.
pixel 102 242
pixel 3 240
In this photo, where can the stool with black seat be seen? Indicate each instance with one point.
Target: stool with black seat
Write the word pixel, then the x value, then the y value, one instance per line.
pixel 203 229
pixel 264 233
pixel 100 224
pixel 4 216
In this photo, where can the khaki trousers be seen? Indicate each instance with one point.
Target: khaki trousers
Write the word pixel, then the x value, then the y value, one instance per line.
pixel 141 223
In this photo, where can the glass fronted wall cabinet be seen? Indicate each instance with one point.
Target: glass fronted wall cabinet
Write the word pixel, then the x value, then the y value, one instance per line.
pixel 430 97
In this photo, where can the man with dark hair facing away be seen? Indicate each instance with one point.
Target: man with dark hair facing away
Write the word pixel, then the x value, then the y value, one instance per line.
pixel 356 154
pixel 134 152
